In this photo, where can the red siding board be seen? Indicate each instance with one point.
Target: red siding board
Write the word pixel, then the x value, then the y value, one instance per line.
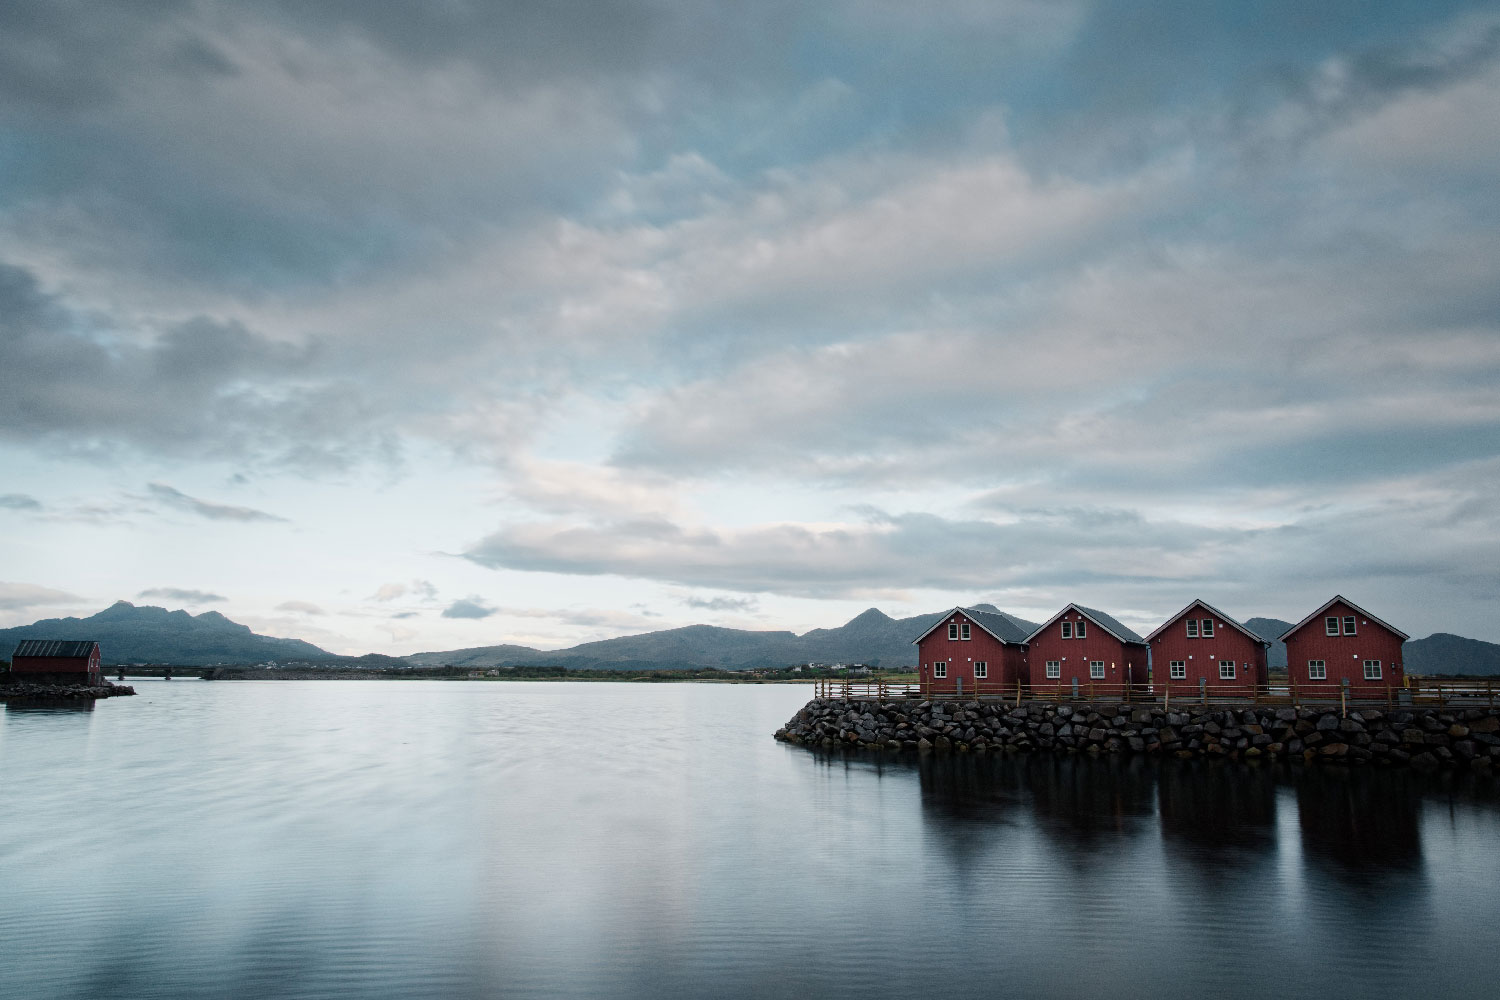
pixel 1124 662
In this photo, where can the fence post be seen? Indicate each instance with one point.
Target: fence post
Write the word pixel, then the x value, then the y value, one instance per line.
pixel 1203 689
pixel 1344 697
pixel 1166 697
pixel 1018 692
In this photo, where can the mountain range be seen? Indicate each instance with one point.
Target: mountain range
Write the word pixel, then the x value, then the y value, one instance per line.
pixel 130 634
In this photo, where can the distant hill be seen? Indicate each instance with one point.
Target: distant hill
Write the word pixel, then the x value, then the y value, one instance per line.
pixel 1443 653
pixel 871 637
pixel 130 634
pixel 1268 629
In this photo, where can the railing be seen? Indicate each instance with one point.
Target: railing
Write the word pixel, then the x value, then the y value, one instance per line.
pixel 1415 691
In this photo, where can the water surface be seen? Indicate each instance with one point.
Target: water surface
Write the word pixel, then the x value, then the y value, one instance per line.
pixel 452 839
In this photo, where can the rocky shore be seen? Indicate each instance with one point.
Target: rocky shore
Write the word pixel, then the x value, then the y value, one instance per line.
pixel 27 691
pixel 1447 737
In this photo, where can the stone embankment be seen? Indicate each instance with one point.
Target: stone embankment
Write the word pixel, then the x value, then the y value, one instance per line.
pixel 11 690
pixel 1422 737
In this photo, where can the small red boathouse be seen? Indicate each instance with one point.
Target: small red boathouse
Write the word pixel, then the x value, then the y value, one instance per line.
pixel 1342 643
pixel 1201 645
pixel 1087 646
pixel 968 651
pixel 56 661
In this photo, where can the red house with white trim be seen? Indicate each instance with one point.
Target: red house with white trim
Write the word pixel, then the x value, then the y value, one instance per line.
pixel 1342 642
pixel 1202 645
pixel 56 661
pixel 967 651
pixel 1088 646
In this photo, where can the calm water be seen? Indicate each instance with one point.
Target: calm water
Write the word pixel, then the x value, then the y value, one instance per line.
pixel 599 840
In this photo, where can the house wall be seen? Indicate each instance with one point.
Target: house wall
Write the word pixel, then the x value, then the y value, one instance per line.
pixel 1006 661
pixel 1124 663
pixel 1202 655
pixel 1345 654
pixel 84 668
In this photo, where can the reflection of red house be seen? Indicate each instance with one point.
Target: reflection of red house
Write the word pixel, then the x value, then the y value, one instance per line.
pixel 968 651
pixel 1201 644
pixel 1341 642
pixel 56 661
pixel 1087 646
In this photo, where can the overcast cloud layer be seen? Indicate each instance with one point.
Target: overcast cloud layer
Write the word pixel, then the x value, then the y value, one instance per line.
pixel 410 326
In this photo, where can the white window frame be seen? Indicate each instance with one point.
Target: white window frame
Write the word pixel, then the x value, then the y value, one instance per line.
pixel 981 669
pixel 1078 629
pixel 1192 628
pixel 1372 670
pixel 1067 630
pixel 1317 670
pixel 1229 666
pixel 1331 625
pixel 1207 631
pixel 1177 670
pixel 963 631
pixel 1096 670
pixel 1349 622
pixel 940 669
pixel 1054 669
pixel 953 631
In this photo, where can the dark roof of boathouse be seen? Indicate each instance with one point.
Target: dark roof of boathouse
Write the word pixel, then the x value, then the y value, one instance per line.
pixel 997 623
pixel 59 648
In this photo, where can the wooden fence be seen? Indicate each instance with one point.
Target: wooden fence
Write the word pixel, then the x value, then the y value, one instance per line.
pixel 1416 691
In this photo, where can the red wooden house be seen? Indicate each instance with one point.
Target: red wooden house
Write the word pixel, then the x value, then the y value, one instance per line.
pixel 967 652
pixel 1087 646
pixel 56 661
pixel 1341 642
pixel 1202 645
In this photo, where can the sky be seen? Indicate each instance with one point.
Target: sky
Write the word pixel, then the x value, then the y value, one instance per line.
pixel 425 325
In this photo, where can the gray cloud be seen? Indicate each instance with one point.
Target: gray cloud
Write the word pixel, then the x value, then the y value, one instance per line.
pixel 183 595
pixel 19 501
pixel 722 603
pixel 20 596
pixel 203 508
pixel 468 607
pixel 300 608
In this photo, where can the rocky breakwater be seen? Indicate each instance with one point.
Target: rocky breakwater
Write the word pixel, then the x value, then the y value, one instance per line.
pixel 28 691
pixel 1423 737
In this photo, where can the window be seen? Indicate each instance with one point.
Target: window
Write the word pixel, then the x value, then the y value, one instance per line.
pixel 1208 628
pixel 940 670
pixel 981 669
pixel 1054 669
pixel 1317 670
pixel 1192 625
pixel 1178 670
pixel 1226 670
pixel 1331 625
pixel 963 631
pixel 1078 630
pixel 1348 624
pixel 1096 670
pixel 1067 630
pixel 1372 670
pixel 952 631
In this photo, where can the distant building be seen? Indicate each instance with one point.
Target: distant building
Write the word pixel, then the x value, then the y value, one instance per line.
pixel 967 652
pixel 1343 643
pixel 56 661
pixel 1201 644
pixel 1087 646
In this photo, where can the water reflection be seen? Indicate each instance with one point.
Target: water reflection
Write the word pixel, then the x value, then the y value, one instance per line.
pixel 1360 823
pixel 1227 811
pixel 59 706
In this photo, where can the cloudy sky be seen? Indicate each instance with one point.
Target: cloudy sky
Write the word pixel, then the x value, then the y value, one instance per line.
pixel 416 325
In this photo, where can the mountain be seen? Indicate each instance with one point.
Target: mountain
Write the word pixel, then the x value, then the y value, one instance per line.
pixel 1444 653
pixel 130 634
pixel 1269 629
pixel 871 637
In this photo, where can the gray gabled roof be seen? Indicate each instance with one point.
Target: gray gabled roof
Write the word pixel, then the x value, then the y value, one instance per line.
pixel 54 647
pixel 1216 612
pixel 1335 599
pixel 1000 625
pixel 1122 632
